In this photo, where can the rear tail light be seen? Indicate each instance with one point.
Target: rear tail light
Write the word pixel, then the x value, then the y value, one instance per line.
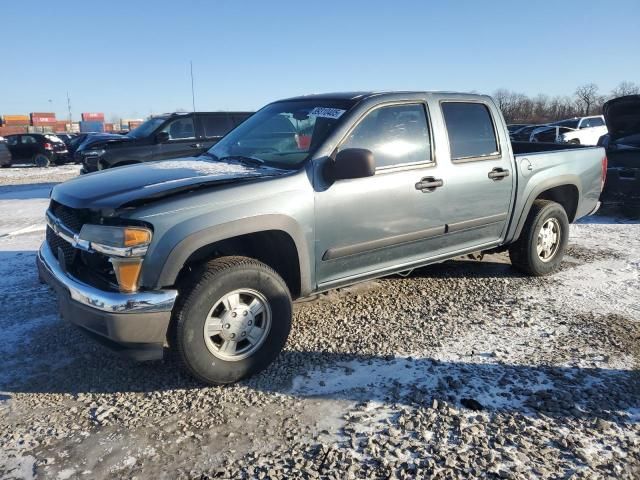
pixel 605 163
pixel 48 146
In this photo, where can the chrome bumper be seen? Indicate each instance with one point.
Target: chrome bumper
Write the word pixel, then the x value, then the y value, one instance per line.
pixel 111 302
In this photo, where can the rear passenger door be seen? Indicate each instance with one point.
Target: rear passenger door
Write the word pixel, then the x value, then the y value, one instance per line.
pixel 182 139
pixel 213 127
pixel 479 181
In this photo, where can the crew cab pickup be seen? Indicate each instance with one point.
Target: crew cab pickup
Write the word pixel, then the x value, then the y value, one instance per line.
pixel 204 255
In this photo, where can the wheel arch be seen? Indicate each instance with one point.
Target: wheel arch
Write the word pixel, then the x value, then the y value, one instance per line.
pixel 275 240
pixel 564 190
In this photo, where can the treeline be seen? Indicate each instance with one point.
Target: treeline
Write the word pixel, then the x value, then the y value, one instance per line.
pixel 587 100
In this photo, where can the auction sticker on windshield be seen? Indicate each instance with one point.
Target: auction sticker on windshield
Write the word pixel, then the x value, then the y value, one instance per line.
pixel 325 112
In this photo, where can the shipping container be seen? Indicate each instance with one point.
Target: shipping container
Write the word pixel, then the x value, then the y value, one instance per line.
pixel 134 124
pixel 42 121
pixel 16 120
pixel 87 127
pixel 62 126
pixel 75 127
pixel 43 114
pixel 108 127
pixel 4 131
pixel 93 117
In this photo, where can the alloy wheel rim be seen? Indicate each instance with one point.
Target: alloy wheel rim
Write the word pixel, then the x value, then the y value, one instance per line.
pixel 548 240
pixel 237 325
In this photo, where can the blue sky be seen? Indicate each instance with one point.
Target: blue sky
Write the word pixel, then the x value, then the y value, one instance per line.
pixel 132 58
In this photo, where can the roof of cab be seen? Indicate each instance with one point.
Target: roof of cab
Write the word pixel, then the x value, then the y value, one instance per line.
pixel 355 96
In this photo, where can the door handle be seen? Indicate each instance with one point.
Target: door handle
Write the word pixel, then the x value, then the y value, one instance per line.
pixel 196 145
pixel 498 173
pixel 429 184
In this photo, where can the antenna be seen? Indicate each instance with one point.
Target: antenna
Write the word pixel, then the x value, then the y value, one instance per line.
pixel 193 94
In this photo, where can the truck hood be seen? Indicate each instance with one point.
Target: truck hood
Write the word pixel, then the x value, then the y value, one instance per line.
pixel 135 184
pixel 622 116
pixel 97 141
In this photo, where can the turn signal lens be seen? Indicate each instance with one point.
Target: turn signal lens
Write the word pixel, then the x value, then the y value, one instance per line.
pixel 127 273
pixel 136 236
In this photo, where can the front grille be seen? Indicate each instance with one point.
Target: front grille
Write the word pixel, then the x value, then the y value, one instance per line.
pixel 55 242
pixel 70 217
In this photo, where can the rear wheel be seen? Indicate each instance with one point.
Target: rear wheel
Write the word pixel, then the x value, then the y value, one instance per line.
pixel 233 322
pixel 41 160
pixel 543 241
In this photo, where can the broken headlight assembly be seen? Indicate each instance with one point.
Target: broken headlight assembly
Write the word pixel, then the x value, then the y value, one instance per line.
pixel 124 246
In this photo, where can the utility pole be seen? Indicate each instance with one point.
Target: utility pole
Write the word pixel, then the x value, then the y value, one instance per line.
pixel 69 128
pixel 193 94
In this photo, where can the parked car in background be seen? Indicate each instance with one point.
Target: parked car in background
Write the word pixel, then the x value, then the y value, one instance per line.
pixel 584 130
pixel 37 148
pixel 5 154
pixel 160 138
pixel 622 144
pixel 204 255
pixel 65 137
pixel 516 126
pixel 523 134
pixel 548 134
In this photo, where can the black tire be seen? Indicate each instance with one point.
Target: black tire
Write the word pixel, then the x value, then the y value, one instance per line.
pixel 41 160
pixel 523 253
pixel 220 277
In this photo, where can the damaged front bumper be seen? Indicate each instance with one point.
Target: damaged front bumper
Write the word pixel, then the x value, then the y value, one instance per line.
pixel 134 324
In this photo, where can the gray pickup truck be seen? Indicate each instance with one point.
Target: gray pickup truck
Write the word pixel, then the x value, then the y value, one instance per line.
pixel 203 256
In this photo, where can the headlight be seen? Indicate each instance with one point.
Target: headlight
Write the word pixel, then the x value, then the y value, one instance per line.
pixel 125 247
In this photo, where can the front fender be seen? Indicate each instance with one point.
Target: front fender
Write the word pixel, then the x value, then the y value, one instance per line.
pixel 163 273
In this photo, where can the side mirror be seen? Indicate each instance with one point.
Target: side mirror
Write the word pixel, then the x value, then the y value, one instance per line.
pixel 162 137
pixel 351 163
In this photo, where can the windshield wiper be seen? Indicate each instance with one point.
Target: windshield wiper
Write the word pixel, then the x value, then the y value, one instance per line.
pixel 243 159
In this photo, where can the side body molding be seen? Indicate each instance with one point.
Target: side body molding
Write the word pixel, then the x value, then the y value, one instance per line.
pixel 183 250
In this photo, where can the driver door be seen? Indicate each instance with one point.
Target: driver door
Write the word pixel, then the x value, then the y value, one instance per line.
pixel 369 225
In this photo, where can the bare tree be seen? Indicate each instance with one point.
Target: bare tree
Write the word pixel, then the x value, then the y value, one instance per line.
pixel 587 96
pixel 625 88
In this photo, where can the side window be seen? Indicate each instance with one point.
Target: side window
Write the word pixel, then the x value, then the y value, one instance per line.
pixel 596 122
pixel 470 129
pixel 28 139
pixel 216 125
pixel 238 119
pixel 12 141
pixel 180 128
pixel 397 135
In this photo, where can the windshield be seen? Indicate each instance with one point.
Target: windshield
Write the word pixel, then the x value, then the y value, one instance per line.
pixel 283 134
pixel 146 128
pixel 568 123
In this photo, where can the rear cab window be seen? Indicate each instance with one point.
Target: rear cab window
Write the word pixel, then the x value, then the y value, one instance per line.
pixel 216 126
pixel 471 131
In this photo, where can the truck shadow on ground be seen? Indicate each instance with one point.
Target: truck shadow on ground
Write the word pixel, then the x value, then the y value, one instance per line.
pixel 477 384
pixel 28 191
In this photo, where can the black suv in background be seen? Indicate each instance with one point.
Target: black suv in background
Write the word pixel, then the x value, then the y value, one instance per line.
pixel 160 138
pixel 40 149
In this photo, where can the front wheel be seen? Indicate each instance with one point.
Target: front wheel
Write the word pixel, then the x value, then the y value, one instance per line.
pixel 543 240
pixel 41 160
pixel 233 322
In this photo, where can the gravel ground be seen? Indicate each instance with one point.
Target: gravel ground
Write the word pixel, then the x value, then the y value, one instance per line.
pixel 461 370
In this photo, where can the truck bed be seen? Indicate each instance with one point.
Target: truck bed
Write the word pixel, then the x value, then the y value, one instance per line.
pixel 539 167
pixel 520 148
